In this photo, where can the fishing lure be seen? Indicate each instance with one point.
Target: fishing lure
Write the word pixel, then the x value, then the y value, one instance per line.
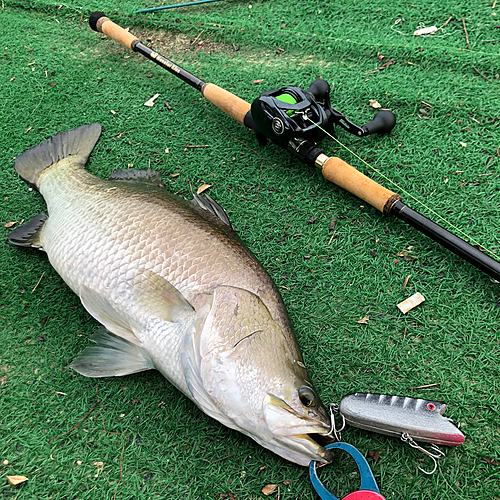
pixel 409 419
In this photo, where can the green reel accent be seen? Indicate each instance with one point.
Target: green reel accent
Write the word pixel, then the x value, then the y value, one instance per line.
pixel 288 99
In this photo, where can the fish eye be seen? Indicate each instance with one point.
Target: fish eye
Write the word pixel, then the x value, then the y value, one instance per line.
pixel 307 396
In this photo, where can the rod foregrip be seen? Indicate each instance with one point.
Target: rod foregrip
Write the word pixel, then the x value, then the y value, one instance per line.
pixel 231 104
pixel 100 23
pixel 347 177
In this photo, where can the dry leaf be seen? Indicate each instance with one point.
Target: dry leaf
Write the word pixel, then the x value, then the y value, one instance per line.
pixel 426 31
pixel 490 461
pixel 15 480
pixel 287 482
pixel 375 104
pixel 364 321
pixel 10 224
pixel 411 302
pixel 202 188
pixel 151 101
pixel 269 488
pixel 258 81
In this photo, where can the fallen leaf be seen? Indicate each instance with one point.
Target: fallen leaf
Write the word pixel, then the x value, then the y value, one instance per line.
pixel 312 220
pixel 202 188
pixel 364 321
pixel 229 495
pixel 386 64
pixel 269 488
pixel 151 102
pixel 287 482
pixel 411 302
pixel 426 31
pixel 10 224
pixel 490 461
pixel 374 454
pixel 375 104
pixel 15 480
pixel 258 81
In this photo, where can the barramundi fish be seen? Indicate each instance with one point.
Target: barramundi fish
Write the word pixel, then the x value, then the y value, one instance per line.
pixel 175 290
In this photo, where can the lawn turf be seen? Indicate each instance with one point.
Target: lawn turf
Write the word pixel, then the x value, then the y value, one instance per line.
pixel 144 439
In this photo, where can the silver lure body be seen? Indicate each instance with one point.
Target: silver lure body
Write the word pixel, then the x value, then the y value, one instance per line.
pixel 421 419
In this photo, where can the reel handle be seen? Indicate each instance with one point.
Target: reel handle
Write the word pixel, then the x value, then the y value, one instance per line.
pixel 319 89
pixel 382 123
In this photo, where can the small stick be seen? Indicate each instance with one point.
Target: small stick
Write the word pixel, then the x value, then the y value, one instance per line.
pixel 75 426
pixel 224 458
pixel 485 175
pixel 466 35
pixel 194 146
pixel 34 288
pixel 424 386
pixel 449 19
pixel 406 282
pixel 479 72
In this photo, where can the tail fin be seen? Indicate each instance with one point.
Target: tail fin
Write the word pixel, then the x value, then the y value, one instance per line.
pixel 77 143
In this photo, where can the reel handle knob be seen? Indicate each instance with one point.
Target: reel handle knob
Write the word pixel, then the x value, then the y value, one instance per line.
pixel 382 123
pixel 319 89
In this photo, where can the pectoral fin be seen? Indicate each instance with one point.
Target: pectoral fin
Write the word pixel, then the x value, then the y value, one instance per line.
pixel 112 356
pixel 104 312
pixel 160 297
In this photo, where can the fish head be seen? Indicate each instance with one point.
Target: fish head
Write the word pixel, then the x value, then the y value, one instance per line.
pixel 251 377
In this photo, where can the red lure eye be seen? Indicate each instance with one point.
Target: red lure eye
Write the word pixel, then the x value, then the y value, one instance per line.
pixel 431 407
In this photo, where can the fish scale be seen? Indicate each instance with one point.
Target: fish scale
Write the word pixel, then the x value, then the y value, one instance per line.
pixel 175 290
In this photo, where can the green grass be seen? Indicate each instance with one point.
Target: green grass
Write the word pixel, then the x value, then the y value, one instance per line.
pixel 57 74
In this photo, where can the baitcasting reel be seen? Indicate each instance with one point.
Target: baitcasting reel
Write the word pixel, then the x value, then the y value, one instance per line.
pixel 291 115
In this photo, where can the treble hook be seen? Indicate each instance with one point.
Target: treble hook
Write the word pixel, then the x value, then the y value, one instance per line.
pixel 334 408
pixel 406 438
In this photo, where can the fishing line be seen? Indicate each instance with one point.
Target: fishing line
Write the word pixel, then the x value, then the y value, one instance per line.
pixel 399 188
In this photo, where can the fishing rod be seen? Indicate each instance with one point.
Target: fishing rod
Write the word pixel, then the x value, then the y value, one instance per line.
pixel 297 120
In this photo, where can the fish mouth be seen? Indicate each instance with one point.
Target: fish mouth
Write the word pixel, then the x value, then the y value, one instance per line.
pixel 299 438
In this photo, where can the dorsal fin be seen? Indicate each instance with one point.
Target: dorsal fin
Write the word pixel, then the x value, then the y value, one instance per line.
pixel 148 176
pixel 210 205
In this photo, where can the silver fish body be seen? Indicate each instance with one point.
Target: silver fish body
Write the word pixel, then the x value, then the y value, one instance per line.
pixel 176 290
pixel 421 419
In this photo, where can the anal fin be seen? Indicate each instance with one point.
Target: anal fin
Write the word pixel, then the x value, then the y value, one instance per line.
pixel 112 356
pixel 29 235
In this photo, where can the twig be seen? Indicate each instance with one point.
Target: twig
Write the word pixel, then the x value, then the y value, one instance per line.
pixel 424 386
pixel 75 426
pixel 406 282
pixel 34 288
pixel 479 72
pixel 121 467
pixel 221 459
pixel 466 35
pixel 441 27
pixel 196 146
